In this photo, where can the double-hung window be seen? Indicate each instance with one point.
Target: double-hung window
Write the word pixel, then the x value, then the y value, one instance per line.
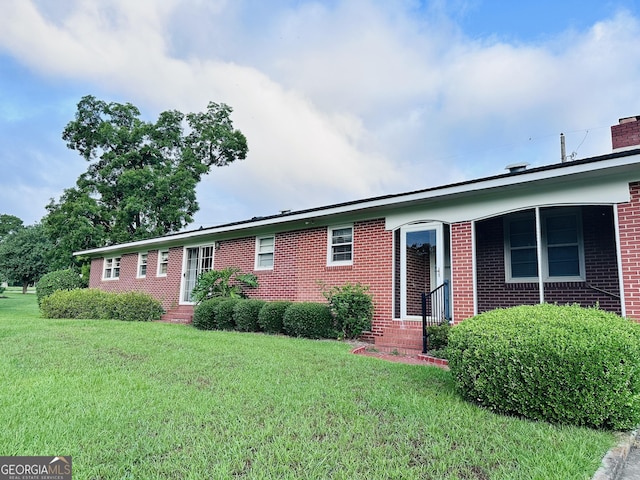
pixel 562 249
pixel 163 263
pixel 111 268
pixel 264 253
pixel 142 265
pixel 340 245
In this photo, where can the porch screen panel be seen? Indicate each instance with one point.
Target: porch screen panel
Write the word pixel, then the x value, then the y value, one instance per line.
pixel 562 246
pixel 522 239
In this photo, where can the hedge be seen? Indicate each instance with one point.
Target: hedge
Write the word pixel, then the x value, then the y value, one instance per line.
pixel 204 314
pixel 558 364
pixel 97 304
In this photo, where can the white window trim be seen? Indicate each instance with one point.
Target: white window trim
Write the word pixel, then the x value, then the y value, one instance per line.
pixel 158 272
pixel 543 251
pixel 198 269
pixel 114 262
pixel 140 263
pixel 330 261
pixel 257 265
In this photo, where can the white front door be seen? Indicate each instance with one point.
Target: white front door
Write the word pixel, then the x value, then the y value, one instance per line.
pixel 421 265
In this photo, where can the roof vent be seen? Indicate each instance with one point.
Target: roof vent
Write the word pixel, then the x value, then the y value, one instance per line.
pixel 517 167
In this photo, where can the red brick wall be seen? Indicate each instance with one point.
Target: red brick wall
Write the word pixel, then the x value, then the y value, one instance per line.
pixel 300 268
pixel 462 271
pixel 629 224
pixel 166 289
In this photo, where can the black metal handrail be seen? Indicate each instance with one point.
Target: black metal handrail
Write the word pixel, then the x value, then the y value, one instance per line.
pixel 438 301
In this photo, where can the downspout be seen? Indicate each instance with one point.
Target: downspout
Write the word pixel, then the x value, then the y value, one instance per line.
pixel 616 226
pixel 539 254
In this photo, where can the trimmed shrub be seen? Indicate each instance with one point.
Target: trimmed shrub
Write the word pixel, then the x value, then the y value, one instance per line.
pixel 271 316
pixel 58 280
pixel 352 307
pixel 558 364
pixel 223 312
pixel 97 304
pixel 310 320
pixel 135 307
pixel 245 315
pixel 204 315
pixel 77 303
pixel 438 340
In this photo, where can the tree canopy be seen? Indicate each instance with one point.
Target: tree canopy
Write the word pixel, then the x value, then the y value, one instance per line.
pixel 24 255
pixel 9 224
pixel 142 175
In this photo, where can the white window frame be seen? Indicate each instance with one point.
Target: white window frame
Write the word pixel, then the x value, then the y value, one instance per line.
pixel 161 262
pixel 112 266
pixel 143 261
pixel 544 251
pixel 330 245
pixel 262 251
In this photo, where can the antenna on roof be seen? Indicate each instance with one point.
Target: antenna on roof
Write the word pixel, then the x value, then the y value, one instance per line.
pixel 563 149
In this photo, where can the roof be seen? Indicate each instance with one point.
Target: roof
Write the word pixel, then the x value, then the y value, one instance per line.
pixel 628 160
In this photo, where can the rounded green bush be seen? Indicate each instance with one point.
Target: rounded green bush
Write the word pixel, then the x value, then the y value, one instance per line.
pixel 561 364
pixel 135 307
pixel 245 315
pixel 204 315
pixel 58 280
pixel 223 312
pixel 271 316
pixel 310 320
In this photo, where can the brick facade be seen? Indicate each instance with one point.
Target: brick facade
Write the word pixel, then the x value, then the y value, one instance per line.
pixel 626 134
pixel 629 234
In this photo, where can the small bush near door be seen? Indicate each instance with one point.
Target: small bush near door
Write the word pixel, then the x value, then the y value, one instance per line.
pixel 352 306
pixel 558 364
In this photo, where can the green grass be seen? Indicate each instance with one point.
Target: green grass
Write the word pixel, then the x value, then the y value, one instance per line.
pixel 151 400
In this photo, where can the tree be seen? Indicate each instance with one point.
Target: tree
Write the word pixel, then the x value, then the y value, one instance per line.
pixel 24 255
pixel 142 175
pixel 8 224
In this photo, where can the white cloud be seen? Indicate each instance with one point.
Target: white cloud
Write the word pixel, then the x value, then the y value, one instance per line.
pixel 339 100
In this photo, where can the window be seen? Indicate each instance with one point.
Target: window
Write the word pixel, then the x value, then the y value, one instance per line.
pixel 111 268
pixel 163 263
pixel 264 253
pixel 340 246
pixel 142 265
pixel 562 247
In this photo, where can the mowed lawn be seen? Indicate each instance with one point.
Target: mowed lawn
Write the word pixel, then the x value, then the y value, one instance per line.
pixel 153 400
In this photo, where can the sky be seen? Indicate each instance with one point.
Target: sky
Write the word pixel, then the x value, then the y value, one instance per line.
pixel 339 100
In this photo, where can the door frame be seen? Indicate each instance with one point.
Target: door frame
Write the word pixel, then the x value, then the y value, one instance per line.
pixel 439 266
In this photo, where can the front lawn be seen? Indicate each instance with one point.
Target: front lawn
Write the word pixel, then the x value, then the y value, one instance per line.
pixel 153 400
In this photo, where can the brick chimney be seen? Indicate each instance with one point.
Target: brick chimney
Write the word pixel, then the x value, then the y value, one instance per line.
pixel 626 135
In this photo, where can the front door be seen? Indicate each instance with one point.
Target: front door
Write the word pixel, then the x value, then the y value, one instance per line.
pixel 421 265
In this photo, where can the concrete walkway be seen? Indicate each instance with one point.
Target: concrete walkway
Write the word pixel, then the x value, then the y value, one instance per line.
pixel 631 468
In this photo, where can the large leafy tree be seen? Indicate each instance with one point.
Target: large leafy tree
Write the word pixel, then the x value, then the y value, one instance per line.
pixel 142 175
pixel 9 224
pixel 24 255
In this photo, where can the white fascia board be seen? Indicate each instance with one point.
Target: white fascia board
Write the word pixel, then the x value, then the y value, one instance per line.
pixel 595 169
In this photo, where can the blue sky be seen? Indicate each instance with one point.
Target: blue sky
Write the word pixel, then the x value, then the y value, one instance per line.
pixel 339 100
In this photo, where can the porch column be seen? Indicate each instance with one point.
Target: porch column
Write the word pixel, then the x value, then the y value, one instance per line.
pixel 462 270
pixel 539 254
